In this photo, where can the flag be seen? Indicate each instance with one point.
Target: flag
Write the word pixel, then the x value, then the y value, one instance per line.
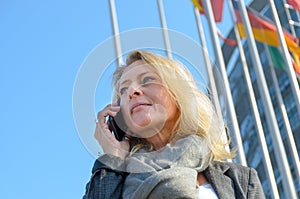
pixel 296 65
pixel 295 4
pixel 264 30
pixel 217 7
pixel 228 41
pixel 198 4
pixel 276 57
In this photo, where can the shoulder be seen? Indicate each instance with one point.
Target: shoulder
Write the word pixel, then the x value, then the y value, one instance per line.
pixel 233 170
pixel 241 180
pixel 229 166
pixel 109 162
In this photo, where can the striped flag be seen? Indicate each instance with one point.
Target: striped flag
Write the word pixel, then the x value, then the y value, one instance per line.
pixel 217 6
pixel 296 65
pixel 264 30
pixel 279 62
pixel 295 4
pixel 276 57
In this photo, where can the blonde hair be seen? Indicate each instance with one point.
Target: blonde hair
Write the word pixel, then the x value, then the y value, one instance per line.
pixel 196 112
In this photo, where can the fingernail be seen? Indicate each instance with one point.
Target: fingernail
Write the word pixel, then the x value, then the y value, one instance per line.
pixel 115 113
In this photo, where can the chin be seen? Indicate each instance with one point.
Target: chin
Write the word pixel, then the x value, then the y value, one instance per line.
pixel 147 128
pixel 141 120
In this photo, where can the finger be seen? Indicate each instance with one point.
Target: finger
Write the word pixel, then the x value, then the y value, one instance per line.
pixel 113 106
pixel 107 140
pixel 101 132
pixel 108 109
pixel 109 143
pixel 112 113
pixel 103 125
pixel 102 116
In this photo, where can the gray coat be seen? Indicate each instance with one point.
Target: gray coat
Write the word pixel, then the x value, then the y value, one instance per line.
pixel 229 180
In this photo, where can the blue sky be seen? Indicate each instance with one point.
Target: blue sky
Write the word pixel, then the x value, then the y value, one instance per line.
pixel 43 44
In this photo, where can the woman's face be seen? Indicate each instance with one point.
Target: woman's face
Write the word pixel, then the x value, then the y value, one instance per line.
pixel 146 105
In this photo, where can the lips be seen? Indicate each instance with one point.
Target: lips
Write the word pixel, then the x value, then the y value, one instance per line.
pixel 137 105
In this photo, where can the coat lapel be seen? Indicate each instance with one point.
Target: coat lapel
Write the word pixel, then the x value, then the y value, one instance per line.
pixel 222 184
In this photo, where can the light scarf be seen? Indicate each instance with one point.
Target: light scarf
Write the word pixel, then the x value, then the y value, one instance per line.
pixel 170 173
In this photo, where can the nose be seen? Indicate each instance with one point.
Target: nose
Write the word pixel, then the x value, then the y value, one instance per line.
pixel 135 91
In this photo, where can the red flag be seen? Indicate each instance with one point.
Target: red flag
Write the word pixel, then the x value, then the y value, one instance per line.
pixel 295 4
pixel 228 41
pixel 217 7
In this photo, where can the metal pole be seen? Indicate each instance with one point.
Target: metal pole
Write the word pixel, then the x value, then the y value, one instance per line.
pixel 259 127
pixel 221 64
pixel 280 154
pixel 115 25
pixel 212 84
pixel 298 16
pixel 164 28
pixel 288 14
pixel 287 126
pixel 287 57
pixel 297 13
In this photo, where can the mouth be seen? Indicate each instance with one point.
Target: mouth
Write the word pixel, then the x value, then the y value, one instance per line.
pixel 135 107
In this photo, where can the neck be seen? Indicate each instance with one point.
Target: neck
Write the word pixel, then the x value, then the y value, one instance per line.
pixel 201 179
pixel 159 140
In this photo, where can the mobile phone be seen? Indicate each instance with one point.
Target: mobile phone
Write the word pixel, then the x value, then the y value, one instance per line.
pixel 117 126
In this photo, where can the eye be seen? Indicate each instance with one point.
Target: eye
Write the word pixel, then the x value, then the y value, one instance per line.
pixel 123 90
pixel 148 79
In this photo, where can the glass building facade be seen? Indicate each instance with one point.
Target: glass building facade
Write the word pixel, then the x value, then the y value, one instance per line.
pixel 242 103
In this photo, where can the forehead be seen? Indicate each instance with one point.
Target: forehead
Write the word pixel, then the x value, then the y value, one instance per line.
pixel 135 69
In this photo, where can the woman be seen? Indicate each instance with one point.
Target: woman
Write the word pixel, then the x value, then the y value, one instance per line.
pixel 173 146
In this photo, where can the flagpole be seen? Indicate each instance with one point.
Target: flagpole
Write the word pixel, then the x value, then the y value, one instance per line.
pixel 212 84
pixel 296 11
pixel 164 28
pixel 288 14
pixel 220 62
pixel 292 23
pixel 287 57
pixel 259 127
pixel 278 146
pixel 295 23
pixel 115 25
pixel 287 126
pixel 298 17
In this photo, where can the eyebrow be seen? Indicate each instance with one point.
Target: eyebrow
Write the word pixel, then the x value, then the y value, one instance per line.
pixel 127 80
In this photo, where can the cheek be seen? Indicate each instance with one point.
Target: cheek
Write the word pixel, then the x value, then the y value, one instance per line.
pixel 167 101
pixel 172 111
pixel 124 110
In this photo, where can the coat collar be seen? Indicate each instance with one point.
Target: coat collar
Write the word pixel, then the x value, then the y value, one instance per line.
pixel 222 184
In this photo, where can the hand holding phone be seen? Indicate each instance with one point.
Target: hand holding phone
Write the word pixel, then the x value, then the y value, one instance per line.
pixel 117 125
pixel 115 128
pixel 107 132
